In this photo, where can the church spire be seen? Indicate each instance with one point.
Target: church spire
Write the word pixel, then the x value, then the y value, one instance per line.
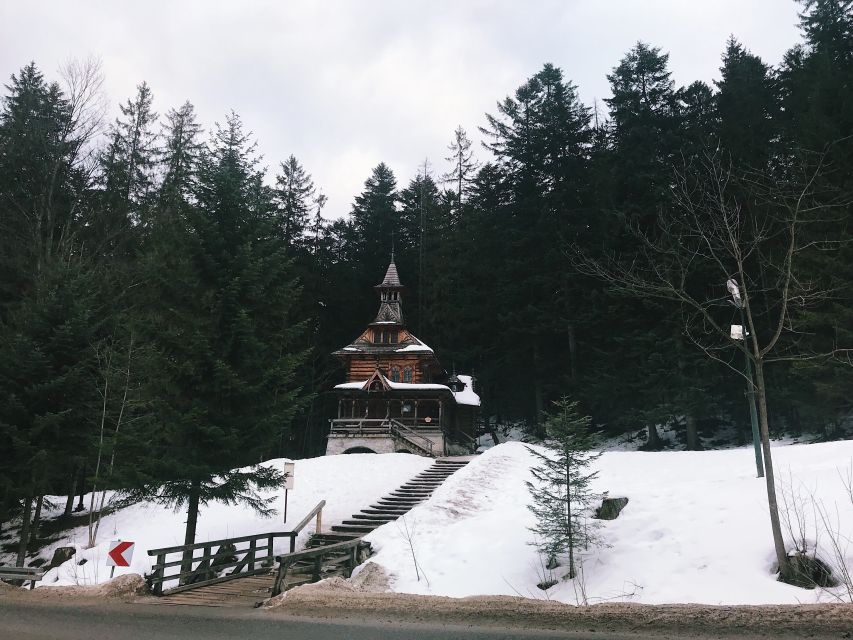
pixel 390 297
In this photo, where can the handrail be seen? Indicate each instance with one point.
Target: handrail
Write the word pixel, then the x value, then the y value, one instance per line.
pixel 244 564
pixel 414 434
pixel 286 561
pixel 391 426
pixel 316 511
pixel 471 442
pixel 210 543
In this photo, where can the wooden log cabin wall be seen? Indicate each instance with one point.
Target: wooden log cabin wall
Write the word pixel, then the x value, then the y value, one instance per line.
pixel 397 396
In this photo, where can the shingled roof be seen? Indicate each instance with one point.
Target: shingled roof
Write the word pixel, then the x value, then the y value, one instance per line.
pixel 391 278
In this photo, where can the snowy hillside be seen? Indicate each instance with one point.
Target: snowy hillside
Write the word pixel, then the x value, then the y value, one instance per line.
pixel 346 483
pixel 696 529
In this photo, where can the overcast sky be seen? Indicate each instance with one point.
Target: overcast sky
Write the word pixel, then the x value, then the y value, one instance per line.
pixel 344 85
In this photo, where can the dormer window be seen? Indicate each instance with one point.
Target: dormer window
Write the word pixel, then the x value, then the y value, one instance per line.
pixel 407 374
pixel 385 336
pixel 395 374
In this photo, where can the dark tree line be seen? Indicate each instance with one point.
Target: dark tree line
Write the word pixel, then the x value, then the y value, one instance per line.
pixel 167 309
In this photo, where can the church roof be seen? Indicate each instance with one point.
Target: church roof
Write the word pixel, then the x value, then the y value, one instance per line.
pixel 391 278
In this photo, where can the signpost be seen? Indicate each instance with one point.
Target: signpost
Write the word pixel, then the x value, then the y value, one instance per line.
pixel 289 468
pixel 120 554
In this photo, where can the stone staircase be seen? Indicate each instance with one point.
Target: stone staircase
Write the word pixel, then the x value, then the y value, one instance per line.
pixel 386 509
pixel 252 590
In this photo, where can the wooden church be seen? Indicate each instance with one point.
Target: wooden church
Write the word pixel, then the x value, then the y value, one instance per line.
pixel 397 397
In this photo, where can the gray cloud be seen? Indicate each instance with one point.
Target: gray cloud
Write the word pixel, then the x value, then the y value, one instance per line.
pixel 344 85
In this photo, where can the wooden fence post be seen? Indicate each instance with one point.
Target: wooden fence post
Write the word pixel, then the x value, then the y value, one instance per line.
pixel 157 578
pixel 319 527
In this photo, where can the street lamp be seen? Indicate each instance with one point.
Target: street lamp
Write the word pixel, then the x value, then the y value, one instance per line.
pixel 740 334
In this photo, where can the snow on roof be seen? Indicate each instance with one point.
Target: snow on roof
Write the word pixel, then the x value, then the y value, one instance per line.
pixel 415 347
pixel 397 386
pixel 350 385
pixel 351 349
pixel 402 386
pixel 467 395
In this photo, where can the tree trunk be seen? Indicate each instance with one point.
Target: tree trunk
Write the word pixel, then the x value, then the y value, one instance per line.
pixel 573 354
pixel 653 442
pixel 36 520
pixel 692 432
pixel 72 493
pixel 569 517
pixel 538 395
pixel 192 521
pixel 775 526
pixel 25 531
pixel 80 505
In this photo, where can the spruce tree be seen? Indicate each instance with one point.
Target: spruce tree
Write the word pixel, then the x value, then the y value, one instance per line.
pixel 179 157
pixel 747 105
pixel 222 333
pixel 294 193
pixel 464 167
pixel 561 490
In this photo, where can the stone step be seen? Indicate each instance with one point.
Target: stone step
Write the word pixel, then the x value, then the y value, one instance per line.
pixel 325 539
pixel 391 513
pixel 373 518
pixel 387 508
pixel 366 523
pixel 352 529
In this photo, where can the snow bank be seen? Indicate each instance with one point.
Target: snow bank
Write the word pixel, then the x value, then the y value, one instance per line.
pixel 347 483
pixel 696 529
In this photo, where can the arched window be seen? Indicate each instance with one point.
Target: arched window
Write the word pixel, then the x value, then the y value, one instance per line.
pixel 395 374
pixel 407 374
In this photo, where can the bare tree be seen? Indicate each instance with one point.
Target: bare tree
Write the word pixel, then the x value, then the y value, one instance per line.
pixel 754 232
pixel 105 359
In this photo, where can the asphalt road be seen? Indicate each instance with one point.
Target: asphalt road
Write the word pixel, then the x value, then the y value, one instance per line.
pixel 20 620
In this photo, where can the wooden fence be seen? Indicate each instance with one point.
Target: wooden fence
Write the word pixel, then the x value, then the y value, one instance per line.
pixel 355 550
pixel 244 556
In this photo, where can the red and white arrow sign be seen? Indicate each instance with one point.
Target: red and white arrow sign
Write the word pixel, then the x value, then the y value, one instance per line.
pixel 120 553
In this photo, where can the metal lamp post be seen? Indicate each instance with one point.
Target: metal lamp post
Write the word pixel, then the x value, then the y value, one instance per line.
pixel 733 288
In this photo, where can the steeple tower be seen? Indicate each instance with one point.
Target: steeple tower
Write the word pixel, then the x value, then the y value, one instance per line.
pixel 390 297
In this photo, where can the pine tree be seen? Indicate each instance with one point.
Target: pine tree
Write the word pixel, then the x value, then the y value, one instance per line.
pixel 542 138
pixel 561 490
pixel 223 337
pixel 180 157
pixel 747 106
pixel 464 167
pixel 294 193
pixel 127 166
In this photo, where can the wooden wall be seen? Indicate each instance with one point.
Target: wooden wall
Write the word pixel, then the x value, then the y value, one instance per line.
pixel 362 367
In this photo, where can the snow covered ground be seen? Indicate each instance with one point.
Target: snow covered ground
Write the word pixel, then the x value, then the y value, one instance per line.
pixel 347 483
pixel 696 529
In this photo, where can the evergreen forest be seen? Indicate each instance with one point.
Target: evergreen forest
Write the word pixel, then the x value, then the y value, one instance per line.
pixel 168 305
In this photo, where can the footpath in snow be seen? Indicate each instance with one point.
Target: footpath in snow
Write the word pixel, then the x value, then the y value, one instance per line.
pixel 696 529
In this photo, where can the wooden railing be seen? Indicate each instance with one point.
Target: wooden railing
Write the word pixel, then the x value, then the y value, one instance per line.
pixel 356 551
pixel 244 556
pixel 389 426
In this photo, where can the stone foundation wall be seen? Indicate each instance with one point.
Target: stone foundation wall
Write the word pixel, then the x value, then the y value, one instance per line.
pixel 340 443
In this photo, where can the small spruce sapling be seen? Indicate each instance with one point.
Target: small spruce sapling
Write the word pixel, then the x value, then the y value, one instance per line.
pixel 561 489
